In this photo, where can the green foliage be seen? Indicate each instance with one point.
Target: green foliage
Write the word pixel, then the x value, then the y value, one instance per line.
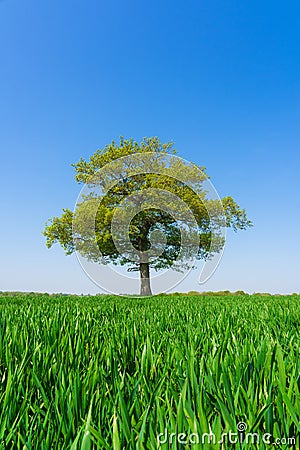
pixel 192 194
pixel 60 230
pixel 106 372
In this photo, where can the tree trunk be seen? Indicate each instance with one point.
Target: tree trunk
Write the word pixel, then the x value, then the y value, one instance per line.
pixel 145 279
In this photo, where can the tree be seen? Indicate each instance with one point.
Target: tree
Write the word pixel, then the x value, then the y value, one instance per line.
pixel 183 217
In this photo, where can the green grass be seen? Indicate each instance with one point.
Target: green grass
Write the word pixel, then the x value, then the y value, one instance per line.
pixel 112 373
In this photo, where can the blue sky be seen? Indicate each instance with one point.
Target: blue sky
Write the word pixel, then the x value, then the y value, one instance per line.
pixel 221 79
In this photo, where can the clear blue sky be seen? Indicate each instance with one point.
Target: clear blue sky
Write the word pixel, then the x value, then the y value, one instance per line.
pixel 221 79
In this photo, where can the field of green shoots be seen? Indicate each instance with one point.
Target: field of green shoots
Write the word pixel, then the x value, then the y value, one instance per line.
pixel 108 372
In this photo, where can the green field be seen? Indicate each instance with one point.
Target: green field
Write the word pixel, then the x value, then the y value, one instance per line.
pixel 112 373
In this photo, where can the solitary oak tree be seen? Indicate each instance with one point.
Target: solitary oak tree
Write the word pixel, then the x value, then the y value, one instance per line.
pixel 160 171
